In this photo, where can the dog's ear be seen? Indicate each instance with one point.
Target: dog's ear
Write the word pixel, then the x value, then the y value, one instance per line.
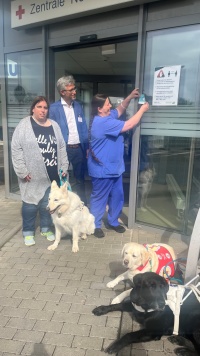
pixel 166 285
pixel 124 249
pixel 144 256
pixel 137 279
pixel 64 187
pixel 54 185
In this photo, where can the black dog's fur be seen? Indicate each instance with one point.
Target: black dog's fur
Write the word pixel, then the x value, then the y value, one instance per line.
pixel 150 292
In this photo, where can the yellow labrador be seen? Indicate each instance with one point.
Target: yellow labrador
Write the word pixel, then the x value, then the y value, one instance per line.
pixel 144 258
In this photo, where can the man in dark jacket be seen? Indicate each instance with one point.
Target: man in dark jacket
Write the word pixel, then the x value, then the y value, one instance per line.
pixel 68 113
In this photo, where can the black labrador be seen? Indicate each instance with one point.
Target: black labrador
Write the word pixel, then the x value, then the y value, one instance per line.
pixel 148 305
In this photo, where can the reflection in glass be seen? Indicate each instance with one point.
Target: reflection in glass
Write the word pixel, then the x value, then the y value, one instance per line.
pixel 24 81
pixel 162 181
pixel 168 188
pixel 163 185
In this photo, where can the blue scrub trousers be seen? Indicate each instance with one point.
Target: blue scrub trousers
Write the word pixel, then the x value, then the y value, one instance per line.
pixel 29 214
pixel 107 191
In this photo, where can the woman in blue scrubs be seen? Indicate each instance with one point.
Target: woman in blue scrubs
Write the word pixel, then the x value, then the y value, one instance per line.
pixel 105 158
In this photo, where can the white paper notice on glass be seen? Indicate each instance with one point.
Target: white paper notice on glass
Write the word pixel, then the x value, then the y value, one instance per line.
pixel 166 85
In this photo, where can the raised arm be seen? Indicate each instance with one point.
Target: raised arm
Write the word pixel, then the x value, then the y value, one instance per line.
pixel 134 120
pixel 125 103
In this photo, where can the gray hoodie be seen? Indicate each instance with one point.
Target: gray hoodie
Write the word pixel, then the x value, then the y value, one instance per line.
pixel 27 159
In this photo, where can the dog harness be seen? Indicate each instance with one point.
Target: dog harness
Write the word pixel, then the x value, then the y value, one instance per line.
pixel 175 300
pixel 164 258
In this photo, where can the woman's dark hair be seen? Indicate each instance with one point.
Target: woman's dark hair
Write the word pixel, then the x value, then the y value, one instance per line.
pixel 37 100
pixel 98 101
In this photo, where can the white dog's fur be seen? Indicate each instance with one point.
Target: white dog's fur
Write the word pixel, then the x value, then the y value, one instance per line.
pixel 135 255
pixel 145 181
pixel 69 215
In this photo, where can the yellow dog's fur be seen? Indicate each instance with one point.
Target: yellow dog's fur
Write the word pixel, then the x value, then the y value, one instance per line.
pixel 69 215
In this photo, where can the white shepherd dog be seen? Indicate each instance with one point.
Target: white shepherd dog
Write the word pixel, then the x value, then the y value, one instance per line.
pixel 69 215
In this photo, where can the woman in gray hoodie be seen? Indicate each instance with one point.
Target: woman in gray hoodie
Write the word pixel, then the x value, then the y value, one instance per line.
pixel 38 153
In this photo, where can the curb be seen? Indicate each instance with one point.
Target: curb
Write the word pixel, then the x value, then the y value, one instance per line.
pixel 9 235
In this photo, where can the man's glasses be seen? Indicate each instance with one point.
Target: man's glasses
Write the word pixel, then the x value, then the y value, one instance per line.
pixel 71 90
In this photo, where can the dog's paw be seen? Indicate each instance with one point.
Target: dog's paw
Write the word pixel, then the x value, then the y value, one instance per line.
pixel 75 249
pixel 175 340
pixel 84 236
pixel 116 300
pixel 113 348
pixel 102 310
pixel 182 351
pixel 181 341
pixel 111 284
pixel 52 247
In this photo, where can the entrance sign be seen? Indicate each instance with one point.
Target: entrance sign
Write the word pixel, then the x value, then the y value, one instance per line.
pixel 166 85
pixel 31 13
pixel 12 69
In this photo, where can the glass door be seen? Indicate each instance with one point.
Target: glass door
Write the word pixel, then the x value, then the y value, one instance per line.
pixel 103 68
pixel 1 145
pixel 168 184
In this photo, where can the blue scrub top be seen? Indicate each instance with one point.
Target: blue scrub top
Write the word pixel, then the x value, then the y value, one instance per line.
pixel 108 146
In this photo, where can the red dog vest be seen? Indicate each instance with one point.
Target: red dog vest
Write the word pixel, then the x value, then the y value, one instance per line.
pixel 164 257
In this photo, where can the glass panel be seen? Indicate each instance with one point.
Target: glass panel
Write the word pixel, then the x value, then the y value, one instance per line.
pixel 168 178
pixel 1 145
pixel 194 200
pixel 162 181
pixel 1 128
pixel 24 81
pixel 83 95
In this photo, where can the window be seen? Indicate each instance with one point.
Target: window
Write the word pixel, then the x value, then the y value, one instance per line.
pixel 24 81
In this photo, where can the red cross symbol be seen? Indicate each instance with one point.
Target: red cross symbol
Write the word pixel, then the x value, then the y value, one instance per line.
pixel 20 12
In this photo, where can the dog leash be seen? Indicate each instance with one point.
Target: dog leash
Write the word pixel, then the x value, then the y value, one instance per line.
pixel 64 180
pixel 173 279
pixel 175 299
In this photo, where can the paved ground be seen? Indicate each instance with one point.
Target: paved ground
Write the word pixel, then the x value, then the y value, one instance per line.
pixel 46 297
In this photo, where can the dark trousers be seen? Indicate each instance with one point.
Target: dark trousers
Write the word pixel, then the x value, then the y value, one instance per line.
pixel 29 214
pixel 77 159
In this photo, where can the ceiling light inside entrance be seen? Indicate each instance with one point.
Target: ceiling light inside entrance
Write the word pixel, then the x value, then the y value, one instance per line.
pixel 108 49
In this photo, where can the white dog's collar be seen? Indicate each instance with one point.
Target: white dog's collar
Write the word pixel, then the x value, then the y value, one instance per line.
pixel 140 309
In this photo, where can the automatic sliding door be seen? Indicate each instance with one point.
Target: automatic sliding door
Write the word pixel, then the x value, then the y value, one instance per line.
pixel 168 187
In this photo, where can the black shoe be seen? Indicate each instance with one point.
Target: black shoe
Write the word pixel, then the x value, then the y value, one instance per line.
pixel 118 228
pixel 99 232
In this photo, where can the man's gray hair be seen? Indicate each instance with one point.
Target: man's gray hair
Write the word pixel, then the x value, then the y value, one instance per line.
pixel 64 81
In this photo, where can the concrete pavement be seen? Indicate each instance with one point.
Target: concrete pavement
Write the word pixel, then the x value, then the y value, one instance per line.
pixel 46 297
